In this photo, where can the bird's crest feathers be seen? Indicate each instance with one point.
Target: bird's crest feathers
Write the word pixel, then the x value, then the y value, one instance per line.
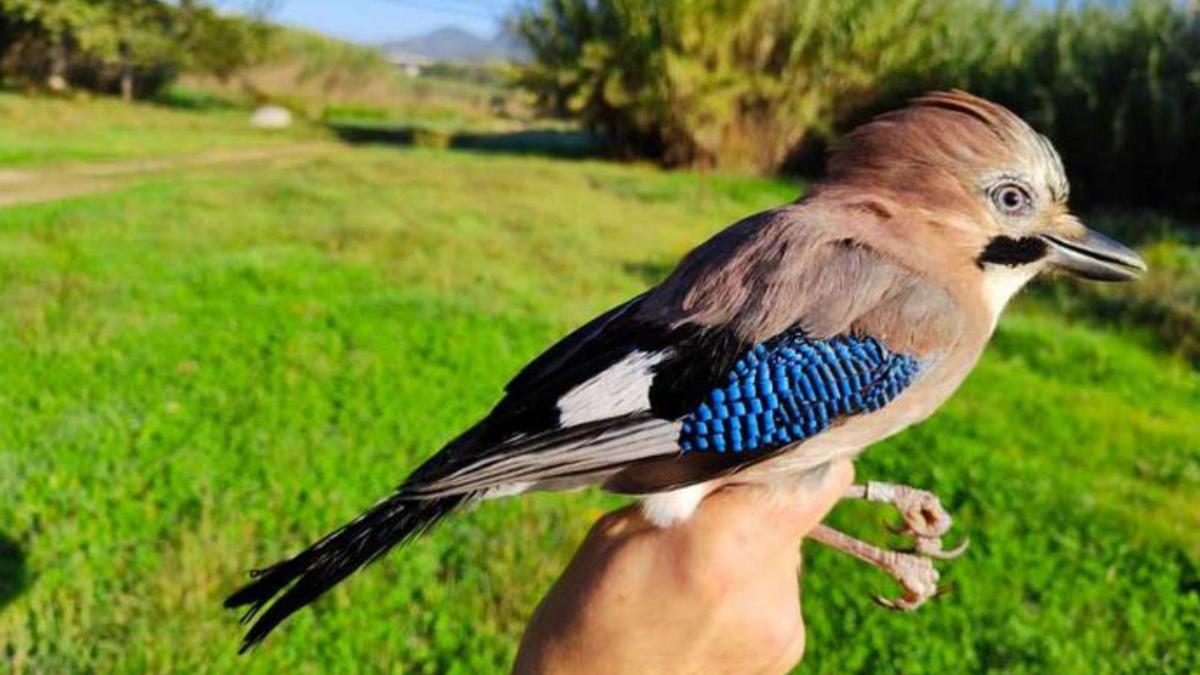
pixel 951 131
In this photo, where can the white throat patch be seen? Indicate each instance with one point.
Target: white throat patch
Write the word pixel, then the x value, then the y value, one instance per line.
pixel 1000 283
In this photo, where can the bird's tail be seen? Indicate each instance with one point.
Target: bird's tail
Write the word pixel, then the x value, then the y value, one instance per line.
pixel 291 584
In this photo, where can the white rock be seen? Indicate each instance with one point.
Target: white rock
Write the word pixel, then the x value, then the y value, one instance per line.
pixel 271 117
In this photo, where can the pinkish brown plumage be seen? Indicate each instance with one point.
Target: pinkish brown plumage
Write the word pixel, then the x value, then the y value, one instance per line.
pixel 792 339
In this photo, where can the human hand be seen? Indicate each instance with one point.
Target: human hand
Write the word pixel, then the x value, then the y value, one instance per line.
pixel 718 593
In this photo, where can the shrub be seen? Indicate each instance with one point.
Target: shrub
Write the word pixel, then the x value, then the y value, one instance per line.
pixel 761 85
pixel 1118 89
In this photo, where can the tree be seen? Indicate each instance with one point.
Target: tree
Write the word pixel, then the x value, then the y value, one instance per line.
pixel 221 45
pixel 132 46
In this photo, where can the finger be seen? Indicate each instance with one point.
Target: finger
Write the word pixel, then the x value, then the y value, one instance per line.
pixel 774 515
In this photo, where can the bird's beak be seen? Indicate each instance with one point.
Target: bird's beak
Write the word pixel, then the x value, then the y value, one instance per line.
pixel 1092 255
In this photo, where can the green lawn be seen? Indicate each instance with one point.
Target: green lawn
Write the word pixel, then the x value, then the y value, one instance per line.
pixel 43 131
pixel 202 373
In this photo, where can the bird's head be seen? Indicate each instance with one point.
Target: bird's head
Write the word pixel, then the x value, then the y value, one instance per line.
pixel 979 185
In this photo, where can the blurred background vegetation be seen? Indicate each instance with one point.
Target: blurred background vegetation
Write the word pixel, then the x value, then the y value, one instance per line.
pixel 763 85
pixel 219 340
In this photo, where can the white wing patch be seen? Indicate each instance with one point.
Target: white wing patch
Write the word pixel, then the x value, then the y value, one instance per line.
pixel 622 388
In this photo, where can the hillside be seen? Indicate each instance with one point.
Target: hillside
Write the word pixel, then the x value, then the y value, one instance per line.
pixel 455 45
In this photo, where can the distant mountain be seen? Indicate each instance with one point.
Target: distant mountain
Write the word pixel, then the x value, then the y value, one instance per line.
pixel 456 45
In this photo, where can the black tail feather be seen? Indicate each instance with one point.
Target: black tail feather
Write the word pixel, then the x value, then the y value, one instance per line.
pixel 315 570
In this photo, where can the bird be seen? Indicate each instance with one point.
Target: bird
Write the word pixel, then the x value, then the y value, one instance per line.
pixel 789 341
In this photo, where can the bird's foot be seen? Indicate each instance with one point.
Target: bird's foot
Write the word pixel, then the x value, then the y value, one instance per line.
pixel 924 517
pixel 925 520
pixel 914 572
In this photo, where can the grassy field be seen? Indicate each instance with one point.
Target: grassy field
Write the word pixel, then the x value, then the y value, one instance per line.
pixel 202 372
pixel 35 132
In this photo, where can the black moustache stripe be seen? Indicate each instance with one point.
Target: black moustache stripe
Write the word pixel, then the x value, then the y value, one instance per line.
pixel 1012 252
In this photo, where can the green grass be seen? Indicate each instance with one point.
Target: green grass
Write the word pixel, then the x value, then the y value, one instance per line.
pixel 44 131
pixel 202 373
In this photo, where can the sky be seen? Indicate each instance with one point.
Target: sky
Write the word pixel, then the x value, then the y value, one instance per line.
pixel 371 21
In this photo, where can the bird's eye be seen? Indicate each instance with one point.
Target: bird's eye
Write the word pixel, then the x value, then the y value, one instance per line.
pixel 1012 199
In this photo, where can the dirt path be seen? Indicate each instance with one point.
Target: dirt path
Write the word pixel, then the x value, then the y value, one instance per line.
pixel 25 186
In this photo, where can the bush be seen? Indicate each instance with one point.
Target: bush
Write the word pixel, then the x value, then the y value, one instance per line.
pixel 1119 92
pixel 749 83
pixel 763 85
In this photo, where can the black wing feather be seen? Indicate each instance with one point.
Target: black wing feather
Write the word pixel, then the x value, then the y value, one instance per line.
pixel 547 364
pixel 309 574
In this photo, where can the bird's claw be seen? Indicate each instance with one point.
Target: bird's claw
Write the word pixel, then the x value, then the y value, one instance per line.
pixel 932 547
pixel 926 521
pixel 923 513
pixel 917 576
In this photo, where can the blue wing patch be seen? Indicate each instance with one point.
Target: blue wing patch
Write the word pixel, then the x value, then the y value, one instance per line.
pixel 792 388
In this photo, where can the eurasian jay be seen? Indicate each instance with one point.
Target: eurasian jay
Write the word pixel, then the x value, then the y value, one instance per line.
pixel 793 338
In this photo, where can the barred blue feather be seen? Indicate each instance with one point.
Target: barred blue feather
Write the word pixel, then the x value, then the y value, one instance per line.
pixel 792 388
